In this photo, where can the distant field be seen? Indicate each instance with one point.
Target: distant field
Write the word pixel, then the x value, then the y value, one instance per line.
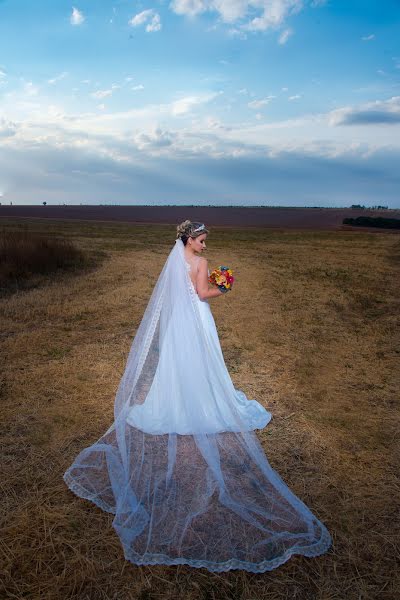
pixel 310 331
pixel 238 216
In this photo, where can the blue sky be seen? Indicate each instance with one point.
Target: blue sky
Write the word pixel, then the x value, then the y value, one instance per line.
pixel 275 102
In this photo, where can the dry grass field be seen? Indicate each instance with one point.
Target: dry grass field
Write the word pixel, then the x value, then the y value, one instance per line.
pixel 310 330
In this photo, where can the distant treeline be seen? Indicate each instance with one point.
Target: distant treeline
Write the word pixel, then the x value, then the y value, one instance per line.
pixel 377 207
pixel 373 222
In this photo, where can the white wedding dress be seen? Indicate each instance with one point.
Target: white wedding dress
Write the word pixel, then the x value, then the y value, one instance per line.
pixel 181 468
pixel 164 413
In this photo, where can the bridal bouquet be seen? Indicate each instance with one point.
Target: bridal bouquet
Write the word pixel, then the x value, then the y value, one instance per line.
pixel 222 277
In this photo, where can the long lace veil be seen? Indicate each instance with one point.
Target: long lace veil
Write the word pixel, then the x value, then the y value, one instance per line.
pixel 203 498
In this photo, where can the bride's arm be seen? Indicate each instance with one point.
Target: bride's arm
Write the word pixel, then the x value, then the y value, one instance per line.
pixel 203 290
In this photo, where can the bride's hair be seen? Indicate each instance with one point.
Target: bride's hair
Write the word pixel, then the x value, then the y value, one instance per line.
pixel 187 229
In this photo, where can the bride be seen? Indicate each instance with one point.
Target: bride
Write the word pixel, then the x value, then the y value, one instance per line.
pixel 181 468
pixel 173 410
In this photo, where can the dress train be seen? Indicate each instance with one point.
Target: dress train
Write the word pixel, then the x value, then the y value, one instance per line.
pixel 181 468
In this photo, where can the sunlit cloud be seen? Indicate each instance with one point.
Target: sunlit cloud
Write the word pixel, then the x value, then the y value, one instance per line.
pixel 271 14
pixel 259 103
pixel 76 17
pixel 284 36
pixel 150 17
pixel 30 89
pixel 102 93
pixel 186 104
pixel 7 128
pixel 396 60
pixel 57 78
pixel 380 112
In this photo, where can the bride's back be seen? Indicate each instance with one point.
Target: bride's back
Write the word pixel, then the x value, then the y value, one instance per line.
pixel 193 265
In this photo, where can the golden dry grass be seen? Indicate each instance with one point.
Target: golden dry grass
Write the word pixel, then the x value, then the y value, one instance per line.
pixel 24 253
pixel 309 331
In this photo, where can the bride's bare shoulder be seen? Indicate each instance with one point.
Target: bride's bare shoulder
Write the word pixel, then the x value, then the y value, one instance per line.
pixel 202 262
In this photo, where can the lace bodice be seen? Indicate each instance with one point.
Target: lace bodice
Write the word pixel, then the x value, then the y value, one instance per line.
pixel 189 269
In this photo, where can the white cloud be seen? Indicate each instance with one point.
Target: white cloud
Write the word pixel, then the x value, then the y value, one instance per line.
pixel 76 17
pixel 379 112
pixel 154 139
pixel 113 124
pixel 190 8
pixel 7 128
pixel 185 105
pixel 191 133
pixel 157 167
pixel 295 97
pixel 102 93
pixel 137 87
pixel 285 35
pixel 269 13
pixel 149 16
pixel 141 17
pixel 55 111
pixel 58 78
pixel 231 10
pixel 100 153
pixel 396 60
pixel 367 38
pixel 30 89
pixel 213 123
pixel 155 23
pixel 259 103
pixel 236 33
pixel 274 14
